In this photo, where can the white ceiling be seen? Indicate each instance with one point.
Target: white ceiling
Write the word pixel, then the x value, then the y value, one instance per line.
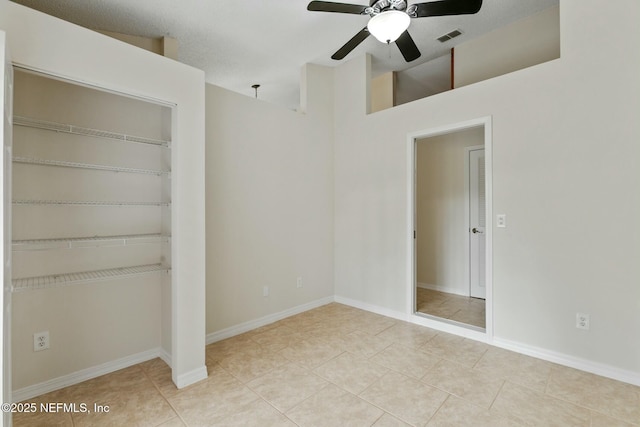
pixel 240 43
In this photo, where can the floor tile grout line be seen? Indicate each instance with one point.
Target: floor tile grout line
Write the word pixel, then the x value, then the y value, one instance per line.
pixel 302 401
pixel 546 385
pixel 284 412
pixel 578 405
pixel 410 378
pixel 393 414
pixel 441 405
pixel 450 393
pixel 386 329
pixel 378 419
pixel 165 397
pixel 497 394
pixel 260 397
pixel 590 409
pixel 310 370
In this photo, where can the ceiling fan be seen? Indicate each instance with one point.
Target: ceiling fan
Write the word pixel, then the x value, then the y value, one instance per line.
pixel 390 20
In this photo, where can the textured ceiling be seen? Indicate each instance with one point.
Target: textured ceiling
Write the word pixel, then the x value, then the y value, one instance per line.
pixel 240 43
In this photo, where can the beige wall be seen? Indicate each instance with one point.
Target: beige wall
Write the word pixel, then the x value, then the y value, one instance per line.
pixel 521 44
pixel 383 92
pixel 269 202
pixel 441 261
pixel 565 146
pixel 165 46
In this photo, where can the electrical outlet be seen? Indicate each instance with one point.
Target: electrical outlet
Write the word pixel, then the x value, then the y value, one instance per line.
pixel 299 282
pixel 41 341
pixel 582 321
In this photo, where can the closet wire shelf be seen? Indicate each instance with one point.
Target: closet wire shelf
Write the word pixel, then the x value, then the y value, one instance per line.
pixel 86 277
pixel 79 130
pixel 84 242
pixel 86 203
pixel 77 165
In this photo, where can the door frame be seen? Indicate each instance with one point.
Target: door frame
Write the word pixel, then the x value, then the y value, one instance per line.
pixel 6 116
pixel 431 321
pixel 467 210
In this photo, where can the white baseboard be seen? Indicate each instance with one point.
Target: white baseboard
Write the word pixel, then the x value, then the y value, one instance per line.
pixel 450 327
pixel 256 323
pixel 373 308
pixel 442 288
pixel 166 357
pixel 192 377
pixel 87 374
pixel 596 368
pixel 201 373
pixel 600 369
pixel 417 320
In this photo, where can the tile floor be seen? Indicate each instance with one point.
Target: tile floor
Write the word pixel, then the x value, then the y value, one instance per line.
pixel 470 311
pixel 340 366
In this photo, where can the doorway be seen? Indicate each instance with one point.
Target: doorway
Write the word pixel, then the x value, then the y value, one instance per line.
pixel 451 244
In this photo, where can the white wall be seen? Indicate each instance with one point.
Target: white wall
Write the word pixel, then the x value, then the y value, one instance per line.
pixel 269 202
pixel 565 170
pixel 441 258
pixel 526 42
pixel 427 79
pixel 45 43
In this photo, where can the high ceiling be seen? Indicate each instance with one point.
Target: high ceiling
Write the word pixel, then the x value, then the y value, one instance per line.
pixel 241 43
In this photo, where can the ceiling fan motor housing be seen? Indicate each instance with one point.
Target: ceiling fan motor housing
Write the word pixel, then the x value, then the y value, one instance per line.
pixel 378 6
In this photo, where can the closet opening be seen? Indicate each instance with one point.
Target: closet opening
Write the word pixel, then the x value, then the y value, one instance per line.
pixel 91 232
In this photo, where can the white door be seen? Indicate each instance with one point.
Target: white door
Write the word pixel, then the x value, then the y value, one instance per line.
pixel 6 101
pixel 477 222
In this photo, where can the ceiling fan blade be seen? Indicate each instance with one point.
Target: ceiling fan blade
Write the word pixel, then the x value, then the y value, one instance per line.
pixel 447 7
pixel 351 44
pixel 328 6
pixel 408 47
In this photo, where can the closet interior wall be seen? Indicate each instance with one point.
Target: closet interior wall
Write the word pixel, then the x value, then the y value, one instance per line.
pixel 91 228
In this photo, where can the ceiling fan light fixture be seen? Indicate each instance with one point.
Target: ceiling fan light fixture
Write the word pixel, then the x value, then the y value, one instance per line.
pixel 387 26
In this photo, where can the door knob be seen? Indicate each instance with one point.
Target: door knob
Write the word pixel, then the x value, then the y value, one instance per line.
pixel 475 230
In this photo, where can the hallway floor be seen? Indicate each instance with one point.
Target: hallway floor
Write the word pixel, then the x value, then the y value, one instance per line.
pixel 341 366
pixel 451 306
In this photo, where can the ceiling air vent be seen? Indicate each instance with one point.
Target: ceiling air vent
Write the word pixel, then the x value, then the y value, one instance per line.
pixel 449 36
